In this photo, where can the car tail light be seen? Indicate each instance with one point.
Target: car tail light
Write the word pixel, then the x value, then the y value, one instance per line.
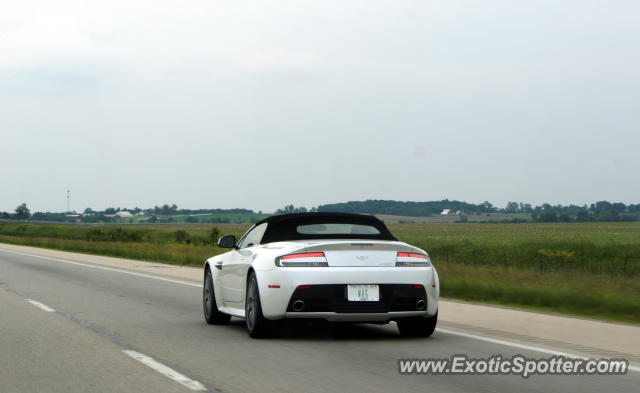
pixel 412 259
pixel 315 259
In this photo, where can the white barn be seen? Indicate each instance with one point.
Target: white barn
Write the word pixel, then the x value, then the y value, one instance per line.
pixel 123 214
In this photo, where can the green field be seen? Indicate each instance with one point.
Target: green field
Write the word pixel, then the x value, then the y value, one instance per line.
pixel 590 269
pixel 599 248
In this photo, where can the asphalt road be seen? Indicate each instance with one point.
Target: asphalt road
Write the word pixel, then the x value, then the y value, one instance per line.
pixel 73 335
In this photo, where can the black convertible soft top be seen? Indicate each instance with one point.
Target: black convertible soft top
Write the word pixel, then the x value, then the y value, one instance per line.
pixel 283 227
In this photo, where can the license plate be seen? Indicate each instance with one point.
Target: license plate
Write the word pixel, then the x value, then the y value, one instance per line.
pixel 363 293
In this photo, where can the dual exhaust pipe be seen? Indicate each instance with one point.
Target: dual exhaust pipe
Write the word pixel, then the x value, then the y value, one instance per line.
pixel 298 305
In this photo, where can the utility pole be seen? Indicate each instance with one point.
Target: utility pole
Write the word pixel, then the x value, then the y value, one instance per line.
pixel 68 205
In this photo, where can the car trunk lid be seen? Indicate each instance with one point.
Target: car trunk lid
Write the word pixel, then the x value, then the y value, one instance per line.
pixel 360 252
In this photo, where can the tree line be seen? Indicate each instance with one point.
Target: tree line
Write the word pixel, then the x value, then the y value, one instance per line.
pixel 598 211
pixel 89 215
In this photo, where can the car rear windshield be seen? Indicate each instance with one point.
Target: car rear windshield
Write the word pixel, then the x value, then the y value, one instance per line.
pixel 337 229
pixel 326 227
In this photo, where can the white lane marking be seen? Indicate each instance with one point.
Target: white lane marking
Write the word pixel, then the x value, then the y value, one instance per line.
pixel 520 346
pixel 105 268
pixel 41 306
pixel 467 335
pixel 166 371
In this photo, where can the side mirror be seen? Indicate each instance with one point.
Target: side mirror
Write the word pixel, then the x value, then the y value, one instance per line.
pixel 227 241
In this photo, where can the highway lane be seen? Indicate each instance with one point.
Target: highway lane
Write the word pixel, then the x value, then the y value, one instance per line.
pixel 42 352
pixel 99 313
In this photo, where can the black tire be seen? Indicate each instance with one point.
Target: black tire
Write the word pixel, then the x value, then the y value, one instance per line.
pixel 417 327
pixel 257 325
pixel 211 313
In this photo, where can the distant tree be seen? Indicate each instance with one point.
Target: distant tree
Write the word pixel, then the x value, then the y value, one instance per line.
pixel 169 210
pixel 512 207
pixel 291 209
pixel 5 216
pixel 582 216
pixel 608 216
pixel 548 216
pixel 564 217
pixel 619 207
pixel 602 206
pixel 191 219
pixel 487 207
pixel 88 211
pixel 153 219
pixel 22 212
pixel 285 210
pixel 110 210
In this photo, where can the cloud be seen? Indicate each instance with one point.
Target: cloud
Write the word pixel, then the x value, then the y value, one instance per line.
pixel 50 50
pixel 282 60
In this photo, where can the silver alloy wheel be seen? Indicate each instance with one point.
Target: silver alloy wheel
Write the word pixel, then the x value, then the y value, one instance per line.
pixel 207 295
pixel 251 305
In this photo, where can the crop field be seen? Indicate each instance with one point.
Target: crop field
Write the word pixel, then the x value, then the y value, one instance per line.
pixel 590 269
pixel 607 248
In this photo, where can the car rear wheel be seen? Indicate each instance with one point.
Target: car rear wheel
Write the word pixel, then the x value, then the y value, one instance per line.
pixel 211 313
pixel 257 325
pixel 417 327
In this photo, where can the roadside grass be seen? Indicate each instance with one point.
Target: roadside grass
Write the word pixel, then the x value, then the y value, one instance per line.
pixel 176 254
pixel 198 235
pixel 588 295
pixel 588 269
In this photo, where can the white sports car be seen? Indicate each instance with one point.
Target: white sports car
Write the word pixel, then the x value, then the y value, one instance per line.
pixel 332 266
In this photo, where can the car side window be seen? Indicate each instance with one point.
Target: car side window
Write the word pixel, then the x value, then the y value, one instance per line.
pixel 253 237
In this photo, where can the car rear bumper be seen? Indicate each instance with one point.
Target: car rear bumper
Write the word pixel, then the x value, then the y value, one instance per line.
pixel 355 317
pixel 279 289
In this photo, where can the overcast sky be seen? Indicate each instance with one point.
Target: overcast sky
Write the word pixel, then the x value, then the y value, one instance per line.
pixel 260 104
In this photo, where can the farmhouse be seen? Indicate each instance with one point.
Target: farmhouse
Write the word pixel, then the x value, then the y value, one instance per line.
pixel 123 214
